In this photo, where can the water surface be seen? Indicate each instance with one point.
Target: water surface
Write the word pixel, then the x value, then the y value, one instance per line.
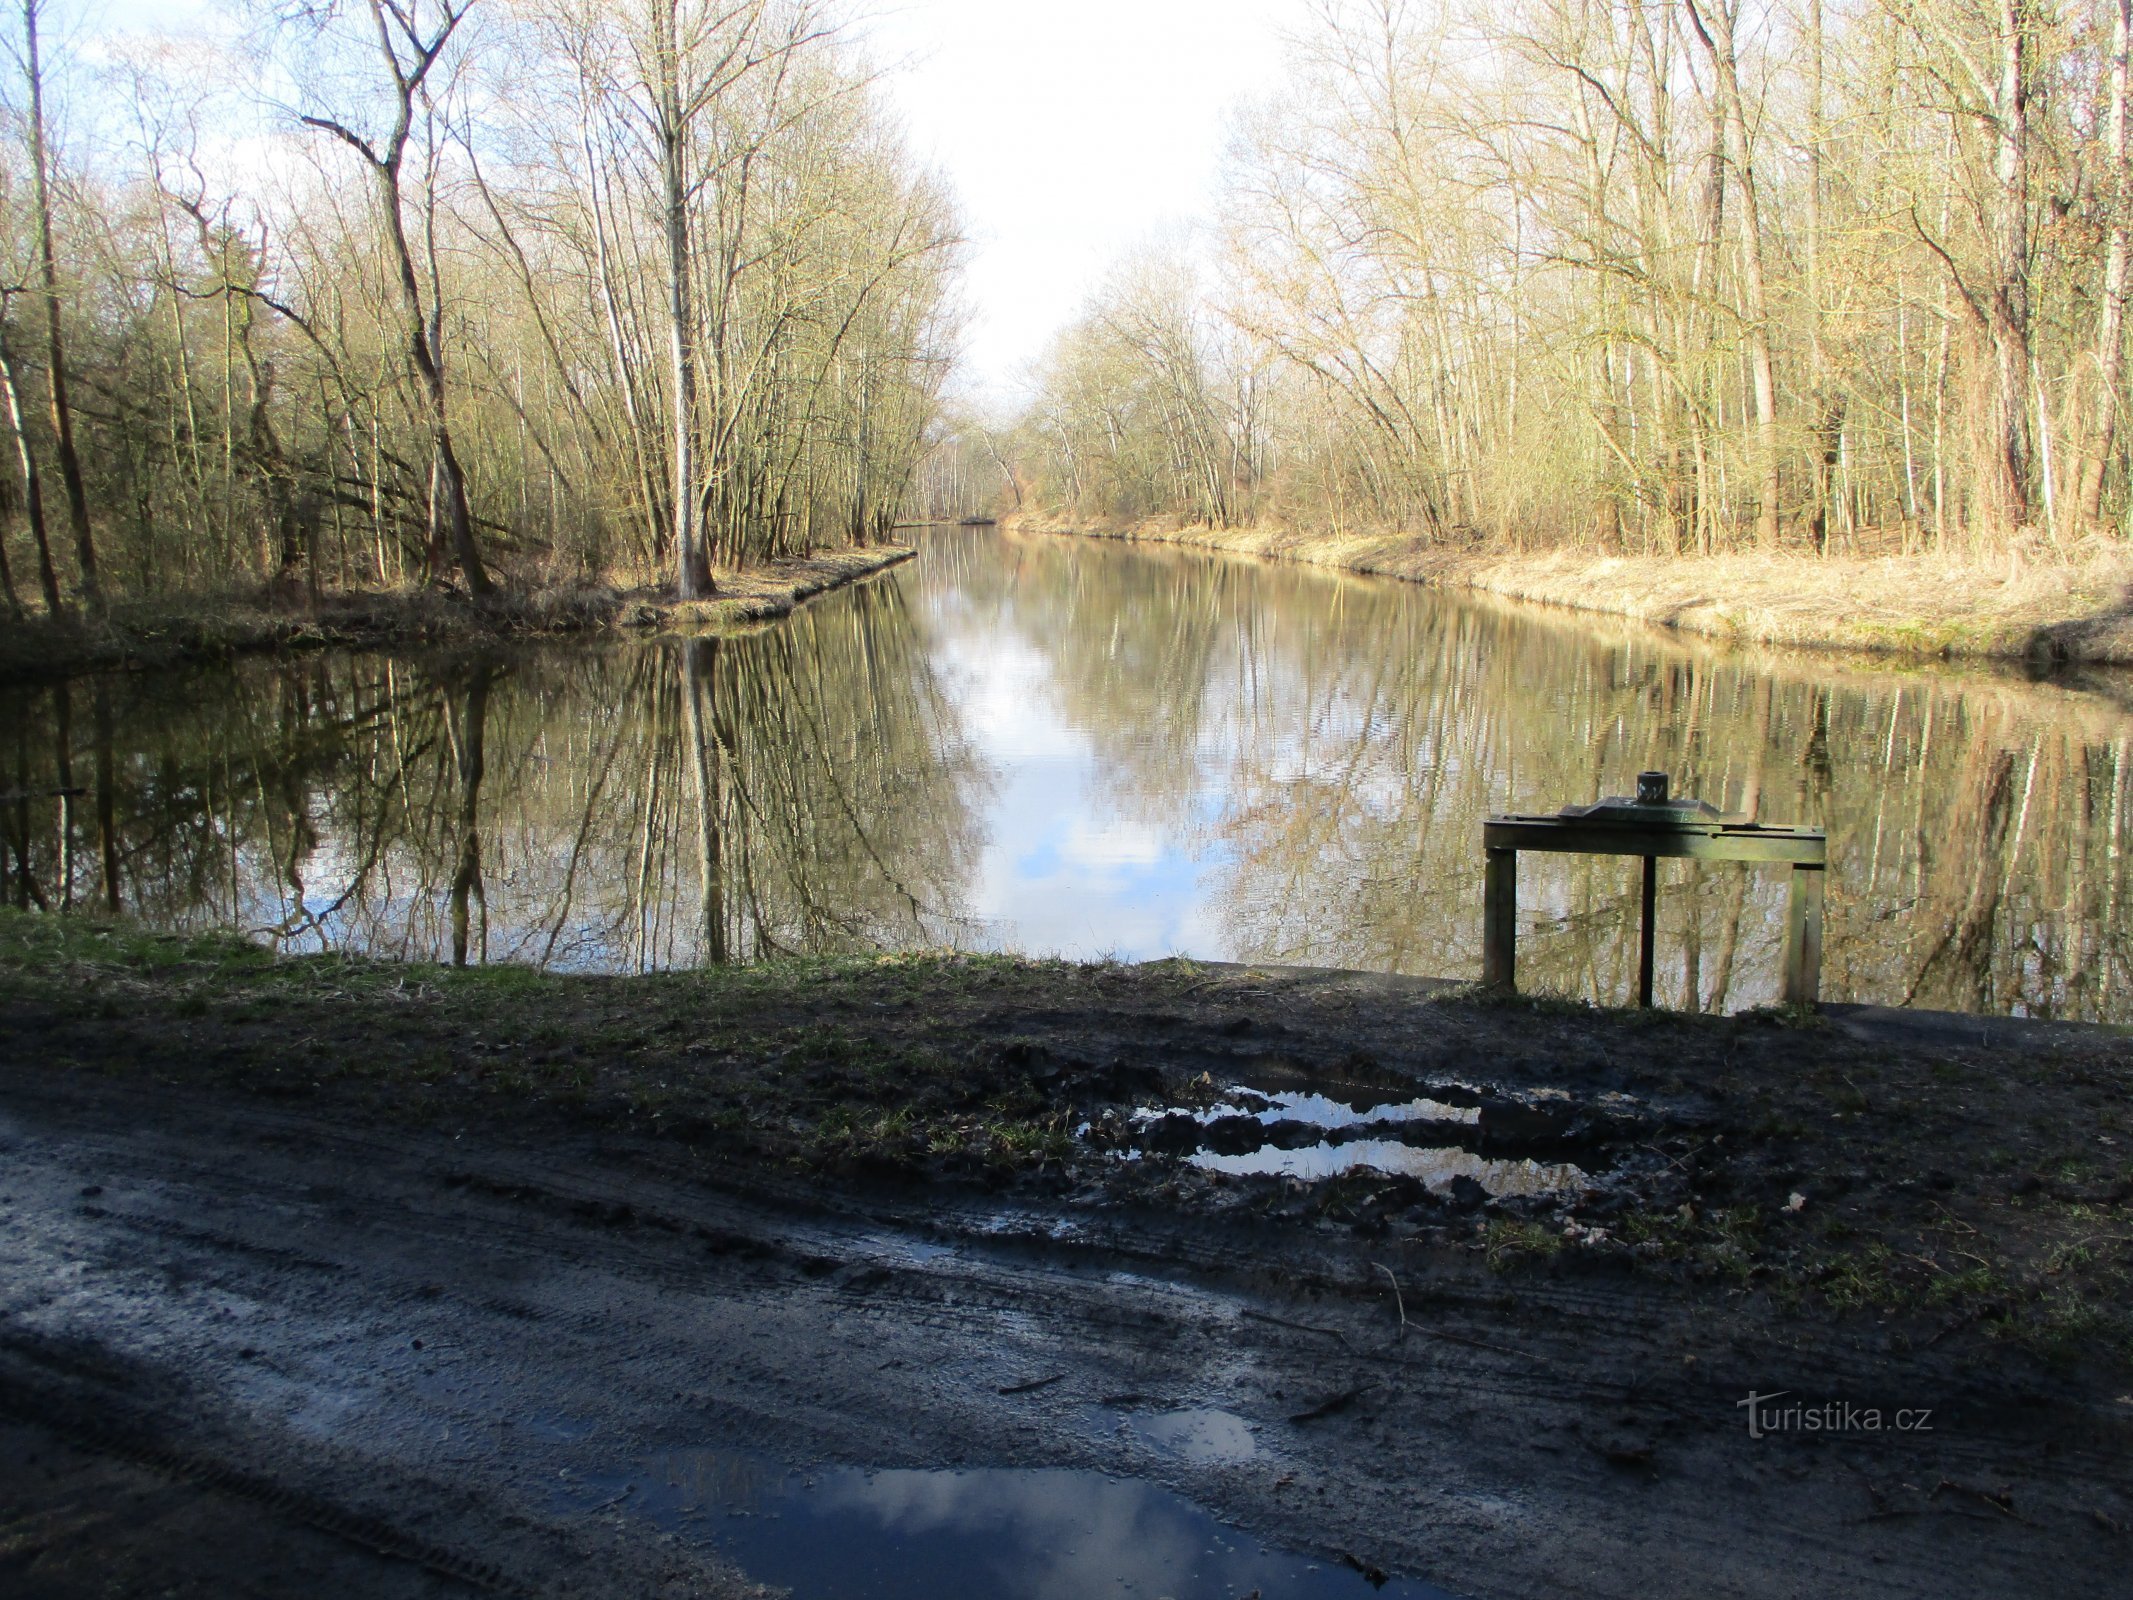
pixel 1086 748
pixel 1006 1532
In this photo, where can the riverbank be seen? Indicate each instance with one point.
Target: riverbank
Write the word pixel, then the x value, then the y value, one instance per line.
pixel 1916 606
pixel 165 632
pixel 939 1212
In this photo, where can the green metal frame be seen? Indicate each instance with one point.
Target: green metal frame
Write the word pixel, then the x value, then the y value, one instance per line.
pixel 1806 850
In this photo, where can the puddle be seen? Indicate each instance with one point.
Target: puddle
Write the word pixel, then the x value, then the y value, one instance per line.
pixel 1323 1111
pixel 1271 1133
pixel 1437 1168
pixel 1205 1436
pixel 1013 1533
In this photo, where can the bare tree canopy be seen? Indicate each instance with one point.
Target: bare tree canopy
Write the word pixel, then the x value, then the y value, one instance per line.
pixel 1655 276
pixel 409 289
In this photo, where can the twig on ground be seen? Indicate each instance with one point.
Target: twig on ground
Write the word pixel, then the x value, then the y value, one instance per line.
pixel 2002 1502
pixel 1333 1403
pixel 1033 1385
pixel 1300 1327
pixel 1399 1301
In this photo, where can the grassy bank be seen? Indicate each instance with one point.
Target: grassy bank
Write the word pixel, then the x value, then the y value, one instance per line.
pixel 1964 1184
pixel 2074 610
pixel 163 631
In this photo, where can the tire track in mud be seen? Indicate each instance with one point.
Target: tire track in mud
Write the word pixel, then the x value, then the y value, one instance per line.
pixel 105 1435
pixel 983 1280
pixel 760 1310
pixel 969 1293
pixel 770 1208
pixel 954 1298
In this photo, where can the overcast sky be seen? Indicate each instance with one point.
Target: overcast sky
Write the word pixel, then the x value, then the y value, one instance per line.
pixel 1070 130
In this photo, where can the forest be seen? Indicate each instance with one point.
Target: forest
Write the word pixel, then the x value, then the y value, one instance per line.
pixel 538 291
pixel 514 292
pixel 1656 277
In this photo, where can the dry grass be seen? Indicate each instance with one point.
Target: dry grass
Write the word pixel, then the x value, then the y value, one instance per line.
pixel 2069 608
pixel 1915 605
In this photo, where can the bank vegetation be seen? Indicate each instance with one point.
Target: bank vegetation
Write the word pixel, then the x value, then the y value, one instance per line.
pixel 519 294
pixel 1645 280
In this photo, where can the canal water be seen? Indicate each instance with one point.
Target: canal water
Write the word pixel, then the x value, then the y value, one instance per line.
pixel 1085 748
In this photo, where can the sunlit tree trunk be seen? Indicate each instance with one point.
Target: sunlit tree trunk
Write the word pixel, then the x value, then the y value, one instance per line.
pixel 692 567
pixel 2003 467
pixel 2111 314
pixel 55 342
pixel 32 480
pixel 1829 400
pixel 1714 22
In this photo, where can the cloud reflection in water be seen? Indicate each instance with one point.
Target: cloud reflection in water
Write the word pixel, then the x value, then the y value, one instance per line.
pixel 1010 1533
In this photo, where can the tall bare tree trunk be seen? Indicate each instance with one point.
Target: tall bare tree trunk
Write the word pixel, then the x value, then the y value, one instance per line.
pixel 2111 318
pixel 55 343
pixel 2004 467
pixel 429 368
pixel 1714 25
pixel 423 344
pixel 63 764
pixel 692 567
pixel 1829 399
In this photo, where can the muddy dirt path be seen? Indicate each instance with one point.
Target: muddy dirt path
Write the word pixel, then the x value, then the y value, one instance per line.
pixel 425 1364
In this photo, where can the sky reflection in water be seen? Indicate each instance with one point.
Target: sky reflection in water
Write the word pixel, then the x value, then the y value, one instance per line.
pixel 1081 748
pixel 1009 1533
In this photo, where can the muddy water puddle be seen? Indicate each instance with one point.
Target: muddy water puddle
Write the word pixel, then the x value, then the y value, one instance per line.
pixel 1313 1135
pixel 1439 1167
pixel 1320 1110
pixel 1014 1533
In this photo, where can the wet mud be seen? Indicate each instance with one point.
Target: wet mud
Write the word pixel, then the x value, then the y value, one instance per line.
pixel 967 1288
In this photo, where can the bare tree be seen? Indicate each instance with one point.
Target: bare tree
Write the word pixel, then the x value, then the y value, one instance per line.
pixel 55 343
pixel 410 42
pixel 1714 23
pixel 1524 270
pixel 2111 315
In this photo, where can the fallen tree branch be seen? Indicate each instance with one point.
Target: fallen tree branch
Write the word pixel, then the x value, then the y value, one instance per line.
pixel 1033 1385
pixel 1328 1406
pixel 1300 1327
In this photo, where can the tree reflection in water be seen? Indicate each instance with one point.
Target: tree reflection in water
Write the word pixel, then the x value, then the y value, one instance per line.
pixel 1306 759
pixel 1357 732
pixel 802 789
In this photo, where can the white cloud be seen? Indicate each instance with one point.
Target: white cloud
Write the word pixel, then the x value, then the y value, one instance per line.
pixel 1111 843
